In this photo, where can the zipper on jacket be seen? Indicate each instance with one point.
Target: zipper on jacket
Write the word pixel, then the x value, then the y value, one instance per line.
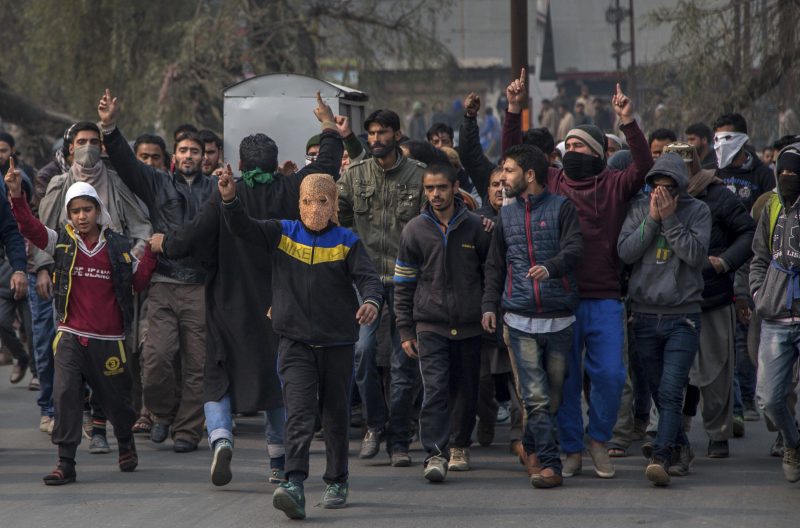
pixel 529 237
pixel 510 281
pixel 308 282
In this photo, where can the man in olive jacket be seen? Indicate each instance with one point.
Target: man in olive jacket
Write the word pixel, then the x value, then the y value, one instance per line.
pixel 377 197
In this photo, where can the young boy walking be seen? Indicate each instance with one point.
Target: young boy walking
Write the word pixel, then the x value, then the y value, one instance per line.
pixel 316 313
pixel 94 279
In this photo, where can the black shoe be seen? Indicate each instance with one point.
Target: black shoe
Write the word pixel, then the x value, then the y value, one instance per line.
pixel 183 446
pixel 647 450
pixel 718 449
pixel 683 457
pixel 371 444
pixel 738 426
pixel 159 432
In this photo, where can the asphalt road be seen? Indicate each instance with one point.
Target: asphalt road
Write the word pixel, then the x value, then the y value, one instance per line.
pixel 171 490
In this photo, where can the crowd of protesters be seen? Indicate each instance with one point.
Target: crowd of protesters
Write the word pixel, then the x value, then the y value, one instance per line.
pixel 597 288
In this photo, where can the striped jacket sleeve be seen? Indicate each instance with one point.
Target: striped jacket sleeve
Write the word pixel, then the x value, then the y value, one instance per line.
pixel 406 272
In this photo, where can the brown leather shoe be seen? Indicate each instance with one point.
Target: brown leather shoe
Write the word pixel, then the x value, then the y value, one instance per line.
pixel 547 478
pixel 519 450
pixel 532 465
pixel 17 373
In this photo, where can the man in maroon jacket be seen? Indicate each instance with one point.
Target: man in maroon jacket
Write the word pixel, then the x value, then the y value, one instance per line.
pixel 601 196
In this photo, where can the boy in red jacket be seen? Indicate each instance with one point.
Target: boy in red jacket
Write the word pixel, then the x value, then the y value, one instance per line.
pixel 93 280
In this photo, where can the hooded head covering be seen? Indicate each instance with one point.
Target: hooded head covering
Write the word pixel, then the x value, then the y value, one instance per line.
pixel 620 160
pixel 788 187
pixel 672 166
pixel 313 212
pixel 80 189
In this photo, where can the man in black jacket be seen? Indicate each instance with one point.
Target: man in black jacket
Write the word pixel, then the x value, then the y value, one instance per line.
pixel 315 263
pixel 732 230
pixel 438 307
pixel 176 308
pixel 742 172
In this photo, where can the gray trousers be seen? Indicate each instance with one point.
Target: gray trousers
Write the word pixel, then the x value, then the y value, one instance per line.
pixel 714 369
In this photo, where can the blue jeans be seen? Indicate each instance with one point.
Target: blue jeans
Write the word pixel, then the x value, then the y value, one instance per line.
pixel 666 346
pixel 44 331
pixel 777 353
pixel 598 329
pixel 542 361
pixel 219 424
pixel 403 378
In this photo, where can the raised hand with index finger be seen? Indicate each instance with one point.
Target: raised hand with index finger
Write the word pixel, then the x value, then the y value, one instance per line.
pixel 226 185
pixel 324 112
pixel 516 93
pixel 107 109
pixel 13 179
pixel 622 106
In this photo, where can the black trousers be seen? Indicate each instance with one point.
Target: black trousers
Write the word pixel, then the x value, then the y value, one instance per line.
pixel 103 365
pixel 314 379
pixel 450 377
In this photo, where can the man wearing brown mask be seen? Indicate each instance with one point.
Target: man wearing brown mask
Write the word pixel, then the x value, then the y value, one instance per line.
pixel 314 262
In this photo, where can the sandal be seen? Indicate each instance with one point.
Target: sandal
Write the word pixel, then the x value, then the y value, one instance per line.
pixel 62 474
pixel 142 425
pixel 617 452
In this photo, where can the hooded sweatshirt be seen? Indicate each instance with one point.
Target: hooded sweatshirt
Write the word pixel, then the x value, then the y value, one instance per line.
pixel 92 293
pixel 667 255
pixel 775 268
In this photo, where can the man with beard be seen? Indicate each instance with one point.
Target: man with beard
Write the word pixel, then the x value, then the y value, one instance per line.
pixel 529 275
pixel 601 196
pixel 212 154
pixel 240 370
pixel 377 198
pixel 176 314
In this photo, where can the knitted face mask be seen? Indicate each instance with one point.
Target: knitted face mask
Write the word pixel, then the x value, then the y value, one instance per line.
pixel 318 201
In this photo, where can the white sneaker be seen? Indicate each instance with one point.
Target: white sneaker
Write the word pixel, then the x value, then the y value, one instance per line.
pixel 44 424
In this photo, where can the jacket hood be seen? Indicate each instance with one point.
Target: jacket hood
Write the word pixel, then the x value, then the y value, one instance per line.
pixel 78 189
pixel 794 147
pixel 671 165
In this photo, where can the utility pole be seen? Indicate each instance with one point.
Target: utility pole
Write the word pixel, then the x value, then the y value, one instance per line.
pixel 519 50
pixel 616 16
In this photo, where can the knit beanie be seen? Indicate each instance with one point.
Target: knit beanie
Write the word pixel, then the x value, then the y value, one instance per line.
pixel 313 141
pixel 592 136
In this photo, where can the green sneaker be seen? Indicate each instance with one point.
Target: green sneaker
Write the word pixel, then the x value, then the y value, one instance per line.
pixel 335 495
pixel 289 499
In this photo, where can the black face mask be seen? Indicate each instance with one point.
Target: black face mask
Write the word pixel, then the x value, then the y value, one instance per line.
pixel 578 166
pixel 790 189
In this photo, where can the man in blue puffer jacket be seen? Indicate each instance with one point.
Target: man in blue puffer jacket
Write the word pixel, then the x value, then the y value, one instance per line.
pixel 536 245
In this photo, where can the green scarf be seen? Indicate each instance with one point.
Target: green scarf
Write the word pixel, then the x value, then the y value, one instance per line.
pixel 256 175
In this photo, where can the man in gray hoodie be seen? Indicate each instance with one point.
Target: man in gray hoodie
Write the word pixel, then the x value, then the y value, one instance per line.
pixel 775 286
pixel 665 238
